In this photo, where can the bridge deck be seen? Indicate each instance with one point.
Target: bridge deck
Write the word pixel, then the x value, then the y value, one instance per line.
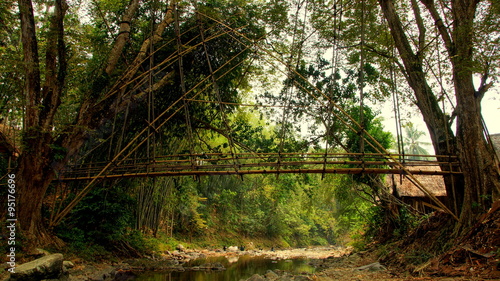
pixel 260 163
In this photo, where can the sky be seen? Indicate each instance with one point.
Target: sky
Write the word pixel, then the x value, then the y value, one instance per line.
pixel 490 107
pixel 491 113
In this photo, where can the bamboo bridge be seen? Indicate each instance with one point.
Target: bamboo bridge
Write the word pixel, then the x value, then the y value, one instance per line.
pixel 261 163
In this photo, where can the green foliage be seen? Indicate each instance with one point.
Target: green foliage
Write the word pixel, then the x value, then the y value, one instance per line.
pixel 383 225
pixel 11 67
pixel 101 223
pixel 80 243
pixel 373 127
pixel 294 209
pixel 58 151
pixel 411 142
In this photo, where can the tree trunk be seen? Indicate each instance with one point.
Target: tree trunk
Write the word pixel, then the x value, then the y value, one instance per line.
pixel 37 164
pixel 438 124
pixel 480 179
pixel 35 171
pixel 476 158
pixel 33 178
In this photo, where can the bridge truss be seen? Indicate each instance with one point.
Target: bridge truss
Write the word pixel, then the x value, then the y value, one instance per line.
pixel 122 165
pixel 260 163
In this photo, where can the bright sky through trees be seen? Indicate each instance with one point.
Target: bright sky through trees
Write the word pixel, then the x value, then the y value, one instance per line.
pixel 490 109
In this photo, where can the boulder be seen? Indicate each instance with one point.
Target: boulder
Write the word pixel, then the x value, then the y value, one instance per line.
pixel 38 253
pixel 47 267
pixel 180 248
pixel 68 264
pixel 232 249
pixel 271 275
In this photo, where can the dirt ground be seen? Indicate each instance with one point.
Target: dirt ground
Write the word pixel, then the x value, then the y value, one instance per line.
pixel 332 263
pixel 339 263
pixel 475 256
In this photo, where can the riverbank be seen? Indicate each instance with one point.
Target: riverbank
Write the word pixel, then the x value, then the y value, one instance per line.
pixel 178 260
pixel 330 263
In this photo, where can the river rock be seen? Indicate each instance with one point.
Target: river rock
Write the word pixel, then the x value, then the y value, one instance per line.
pixel 256 277
pixel 302 278
pixel 212 266
pixel 38 253
pixel 323 278
pixel 271 275
pixel 180 248
pixel 47 267
pixel 232 249
pixel 376 266
pixel 107 273
pixel 68 264
pixel 125 276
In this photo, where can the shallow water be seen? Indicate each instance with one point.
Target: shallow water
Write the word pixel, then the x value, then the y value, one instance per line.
pixel 237 268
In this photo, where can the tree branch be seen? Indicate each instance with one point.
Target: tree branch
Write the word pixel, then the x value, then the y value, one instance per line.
pixel 443 30
pixel 56 66
pixel 388 56
pixel 120 105
pixel 484 86
pixel 398 34
pixel 31 62
pixel 420 25
pixel 122 38
pixel 141 56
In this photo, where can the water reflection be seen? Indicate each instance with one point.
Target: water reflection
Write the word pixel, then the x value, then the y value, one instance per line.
pixel 237 268
pixel 232 259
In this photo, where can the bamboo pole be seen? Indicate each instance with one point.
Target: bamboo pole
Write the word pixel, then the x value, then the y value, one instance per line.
pixel 270 171
pixel 376 145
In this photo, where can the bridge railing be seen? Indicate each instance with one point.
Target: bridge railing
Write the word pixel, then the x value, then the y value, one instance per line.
pixel 261 163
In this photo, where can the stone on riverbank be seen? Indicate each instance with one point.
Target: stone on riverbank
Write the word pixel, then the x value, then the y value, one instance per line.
pixel 47 267
pixel 376 266
pixel 232 249
pixel 212 266
pixel 271 275
pixel 256 277
pixel 67 265
pixel 180 248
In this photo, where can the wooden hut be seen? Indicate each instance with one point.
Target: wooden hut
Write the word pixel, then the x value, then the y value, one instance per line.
pixel 404 189
pixel 495 141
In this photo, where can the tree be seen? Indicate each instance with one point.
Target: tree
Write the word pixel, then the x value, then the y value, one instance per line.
pixel 412 145
pixel 34 170
pixel 117 62
pixel 481 182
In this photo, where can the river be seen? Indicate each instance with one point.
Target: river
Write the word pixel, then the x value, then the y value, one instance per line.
pixel 236 268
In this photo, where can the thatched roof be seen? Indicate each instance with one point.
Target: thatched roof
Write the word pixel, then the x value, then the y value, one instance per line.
pixel 405 188
pixel 495 140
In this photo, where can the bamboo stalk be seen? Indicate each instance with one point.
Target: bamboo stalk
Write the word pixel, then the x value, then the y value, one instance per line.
pixel 270 171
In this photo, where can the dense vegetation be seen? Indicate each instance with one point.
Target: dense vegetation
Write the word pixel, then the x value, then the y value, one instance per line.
pixel 112 80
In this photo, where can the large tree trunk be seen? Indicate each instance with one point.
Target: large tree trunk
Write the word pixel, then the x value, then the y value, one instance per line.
pixel 438 124
pixel 34 171
pixel 480 179
pixel 33 178
pixel 476 158
pixel 37 164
